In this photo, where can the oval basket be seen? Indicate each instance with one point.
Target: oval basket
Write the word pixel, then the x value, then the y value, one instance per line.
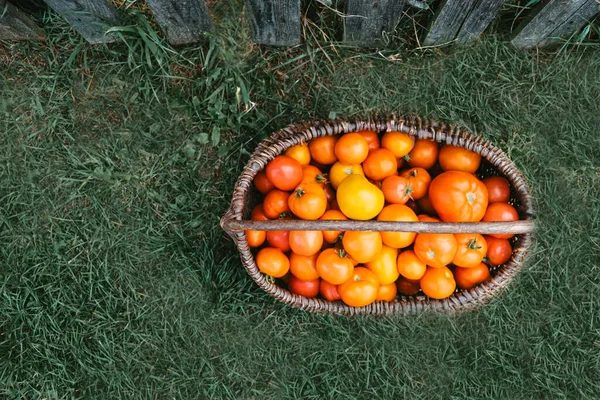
pixel 494 162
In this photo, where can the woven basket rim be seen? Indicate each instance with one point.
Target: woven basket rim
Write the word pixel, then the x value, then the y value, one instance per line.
pixel 440 132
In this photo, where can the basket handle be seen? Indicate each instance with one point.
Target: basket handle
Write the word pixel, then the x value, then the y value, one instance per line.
pixel 511 227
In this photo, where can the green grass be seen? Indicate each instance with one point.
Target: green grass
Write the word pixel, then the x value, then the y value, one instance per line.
pixel 117 282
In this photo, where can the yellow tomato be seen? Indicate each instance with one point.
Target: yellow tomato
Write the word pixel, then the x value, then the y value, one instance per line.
pixel 359 199
pixel 384 265
pixel 299 153
pixel 340 171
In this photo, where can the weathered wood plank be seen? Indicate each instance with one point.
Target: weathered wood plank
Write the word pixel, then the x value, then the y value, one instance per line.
pixel 183 21
pixel 91 18
pixel 478 19
pixel 368 21
pixel 274 22
pixel 447 21
pixel 553 20
pixel 15 25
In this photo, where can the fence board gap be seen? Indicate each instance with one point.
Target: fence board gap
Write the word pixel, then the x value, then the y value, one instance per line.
pixel 274 22
pixel 554 20
pixel 367 22
pixel 183 22
pixel 478 19
pixel 15 25
pixel 90 18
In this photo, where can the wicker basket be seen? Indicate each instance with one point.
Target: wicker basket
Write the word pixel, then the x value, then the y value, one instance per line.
pixel 494 162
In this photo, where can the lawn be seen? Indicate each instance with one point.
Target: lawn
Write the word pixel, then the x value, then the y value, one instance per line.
pixel 117 162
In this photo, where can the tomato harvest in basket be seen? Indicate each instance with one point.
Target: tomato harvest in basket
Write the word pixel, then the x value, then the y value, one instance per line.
pixel 379 176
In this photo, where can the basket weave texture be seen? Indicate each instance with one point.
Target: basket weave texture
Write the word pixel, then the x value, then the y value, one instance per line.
pixel 494 162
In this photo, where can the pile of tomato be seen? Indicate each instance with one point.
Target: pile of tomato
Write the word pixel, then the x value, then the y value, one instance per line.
pixel 390 177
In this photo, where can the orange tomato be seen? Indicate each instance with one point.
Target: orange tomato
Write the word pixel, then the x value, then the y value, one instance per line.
pixel 262 183
pixel 308 201
pixel 312 174
pixel 299 153
pixel 334 266
pixel 379 164
pixel 340 171
pixel 396 189
pixel 372 139
pixel 498 189
pixel 273 262
pixel 435 249
pixel 351 149
pixel 454 158
pixel 322 149
pixel 387 292
pixel 304 267
pixel 257 238
pixel 418 180
pixel 284 172
pixel 458 197
pixel 276 203
pixel 332 215
pixel 466 278
pixel 424 154
pixel 362 246
pixel 470 251
pixel 361 289
pixel 498 250
pixel 329 291
pixel 427 218
pixel 384 265
pixel 400 144
pixel 304 288
pixel 397 212
pixel 438 283
pixel 407 287
pixel 306 243
pixel 501 212
pixel 410 266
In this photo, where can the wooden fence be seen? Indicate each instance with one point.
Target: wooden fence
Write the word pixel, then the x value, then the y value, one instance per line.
pixel 277 22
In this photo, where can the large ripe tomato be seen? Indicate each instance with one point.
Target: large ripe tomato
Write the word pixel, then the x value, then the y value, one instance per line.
pixel 499 251
pixel 400 144
pixel 306 243
pixel 329 291
pixel 384 265
pixel 322 149
pixel 351 149
pixel 273 262
pixel 332 215
pixel 454 158
pixel 359 199
pixel 340 171
pixel 279 239
pixel 397 212
pixel 435 249
pixel 387 292
pixel 304 288
pixel 410 266
pixel 262 183
pixel 334 266
pixel 419 181
pixel 438 283
pixel 471 249
pixel 380 164
pixel 466 278
pixel 372 139
pixel 284 172
pixel 501 212
pixel 361 289
pixel 424 154
pixel 408 287
pixel 458 197
pixel 396 189
pixel 362 246
pixel 276 203
pixel 498 189
pixel 308 201
pixel 304 267
pixel 299 153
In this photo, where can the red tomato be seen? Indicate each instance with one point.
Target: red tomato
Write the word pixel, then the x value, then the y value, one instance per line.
pixel 499 251
pixel 372 139
pixel 396 189
pixel 262 183
pixel 304 288
pixel 501 212
pixel 408 287
pixel 329 291
pixel 279 239
pixel 418 180
pixel 284 172
pixel 498 189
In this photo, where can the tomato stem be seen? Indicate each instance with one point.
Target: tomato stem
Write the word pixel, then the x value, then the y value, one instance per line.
pixel 472 245
pixel 299 192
